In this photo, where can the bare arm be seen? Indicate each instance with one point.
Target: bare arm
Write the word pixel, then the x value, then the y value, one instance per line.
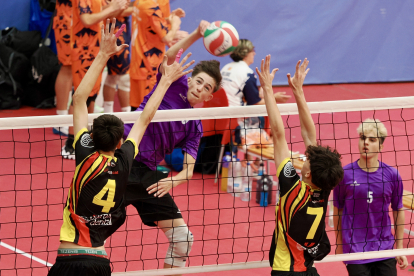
pixel 399 221
pixel 281 150
pixel 280 97
pixel 164 186
pixel 114 8
pixel 307 125
pixel 338 229
pixel 108 48
pixel 175 26
pixel 170 74
pixel 186 42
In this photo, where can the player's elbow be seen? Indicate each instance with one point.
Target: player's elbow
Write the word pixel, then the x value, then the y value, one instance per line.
pixel 77 99
pixel 86 20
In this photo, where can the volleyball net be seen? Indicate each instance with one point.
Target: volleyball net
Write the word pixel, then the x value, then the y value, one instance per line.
pixel 230 231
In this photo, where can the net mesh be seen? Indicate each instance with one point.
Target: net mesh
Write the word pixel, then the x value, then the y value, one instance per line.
pixel 35 179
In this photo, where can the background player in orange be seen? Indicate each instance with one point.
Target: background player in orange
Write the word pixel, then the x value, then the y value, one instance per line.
pixel 86 36
pixel 299 237
pixel 153 27
pixel 62 25
pixel 118 67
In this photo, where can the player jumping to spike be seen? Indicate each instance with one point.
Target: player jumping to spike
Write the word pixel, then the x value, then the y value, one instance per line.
pixel 95 206
pixel 299 237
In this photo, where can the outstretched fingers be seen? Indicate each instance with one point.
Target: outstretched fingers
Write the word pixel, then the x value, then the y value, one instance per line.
pixel 274 71
pixel 112 31
pixel 107 26
pixel 185 58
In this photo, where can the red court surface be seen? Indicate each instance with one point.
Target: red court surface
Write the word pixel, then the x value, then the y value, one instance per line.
pixel 34 181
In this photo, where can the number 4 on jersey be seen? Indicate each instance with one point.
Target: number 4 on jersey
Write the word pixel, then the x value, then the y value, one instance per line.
pixel 109 202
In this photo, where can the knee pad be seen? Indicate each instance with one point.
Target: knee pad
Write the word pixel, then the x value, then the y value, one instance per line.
pixel 124 83
pixel 181 240
pixel 112 80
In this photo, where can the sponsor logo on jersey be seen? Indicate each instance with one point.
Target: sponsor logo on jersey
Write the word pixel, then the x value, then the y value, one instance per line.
pixel 287 171
pixel 184 122
pixel 355 183
pixel 102 219
pixel 312 250
pixel 183 97
pixel 86 140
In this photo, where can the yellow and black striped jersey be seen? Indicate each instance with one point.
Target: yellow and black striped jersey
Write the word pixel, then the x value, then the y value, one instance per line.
pixel 95 206
pixel 299 237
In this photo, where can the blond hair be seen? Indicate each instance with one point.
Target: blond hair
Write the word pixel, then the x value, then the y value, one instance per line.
pixel 244 47
pixel 373 125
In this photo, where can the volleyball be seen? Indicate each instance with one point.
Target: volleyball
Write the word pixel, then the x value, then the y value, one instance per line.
pixel 221 38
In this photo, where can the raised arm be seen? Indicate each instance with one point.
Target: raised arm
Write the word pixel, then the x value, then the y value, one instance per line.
pixel 186 42
pixel 307 125
pixel 170 74
pixel 113 9
pixel 281 150
pixel 107 49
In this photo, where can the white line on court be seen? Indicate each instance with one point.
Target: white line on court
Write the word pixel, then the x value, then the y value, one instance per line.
pixel 25 254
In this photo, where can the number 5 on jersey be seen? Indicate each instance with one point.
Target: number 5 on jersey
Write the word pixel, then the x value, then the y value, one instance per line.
pixel 109 202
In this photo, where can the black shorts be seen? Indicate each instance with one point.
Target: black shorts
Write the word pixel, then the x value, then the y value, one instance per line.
pixel 380 268
pixel 82 265
pixel 310 272
pixel 150 208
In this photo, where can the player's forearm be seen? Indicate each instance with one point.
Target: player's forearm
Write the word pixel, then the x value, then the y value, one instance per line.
pixel 169 37
pixel 338 229
pixel 399 220
pixel 184 44
pixel 275 119
pixel 90 78
pixel 308 130
pixel 183 176
pixel 154 102
pixel 90 19
pixel 127 12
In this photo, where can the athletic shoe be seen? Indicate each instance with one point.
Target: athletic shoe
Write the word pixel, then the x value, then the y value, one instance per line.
pixel 98 109
pixel 62 131
pixel 68 152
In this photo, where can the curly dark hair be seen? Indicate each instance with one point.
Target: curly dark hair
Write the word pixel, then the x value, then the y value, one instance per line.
pixel 325 165
pixel 211 68
pixel 107 131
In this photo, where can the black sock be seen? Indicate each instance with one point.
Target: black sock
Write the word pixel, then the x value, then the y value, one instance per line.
pixel 70 140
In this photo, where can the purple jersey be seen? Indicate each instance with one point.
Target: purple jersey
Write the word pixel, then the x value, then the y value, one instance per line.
pixel 365 199
pixel 161 138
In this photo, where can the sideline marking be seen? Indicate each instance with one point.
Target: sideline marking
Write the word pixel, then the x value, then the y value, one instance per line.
pixel 25 254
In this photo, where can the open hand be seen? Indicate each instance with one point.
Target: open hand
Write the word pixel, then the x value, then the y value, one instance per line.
pixel 296 82
pixel 202 27
pixel 176 70
pixel 281 97
pixel 108 39
pixel 402 262
pixel 161 188
pixel 265 76
pixel 179 12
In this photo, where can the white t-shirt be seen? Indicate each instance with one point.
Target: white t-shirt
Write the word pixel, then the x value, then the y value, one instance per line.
pixel 239 81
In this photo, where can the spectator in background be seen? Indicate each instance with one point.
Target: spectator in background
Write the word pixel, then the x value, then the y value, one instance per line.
pixel 62 25
pixel 239 82
pixel 361 206
pixel 118 67
pixel 86 37
pixel 153 27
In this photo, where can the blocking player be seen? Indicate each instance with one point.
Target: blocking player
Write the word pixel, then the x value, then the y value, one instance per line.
pixel 361 206
pixel 118 67
pixel 153 27
pixel 145 191
pixel 62 26
pixel 299 237
pixel 86 36
pixel 95 207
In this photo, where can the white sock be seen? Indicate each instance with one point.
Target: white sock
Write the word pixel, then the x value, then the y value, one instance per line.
pixel 62 112
pixel 108 107
pixel 126 109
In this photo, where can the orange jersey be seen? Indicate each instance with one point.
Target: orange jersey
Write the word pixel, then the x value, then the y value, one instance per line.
pixel 62 25
pixel 85 41
pixel 148 28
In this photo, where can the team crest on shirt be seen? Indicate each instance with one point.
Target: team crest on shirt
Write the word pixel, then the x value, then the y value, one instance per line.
pixel 287 171
pixel 86 140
